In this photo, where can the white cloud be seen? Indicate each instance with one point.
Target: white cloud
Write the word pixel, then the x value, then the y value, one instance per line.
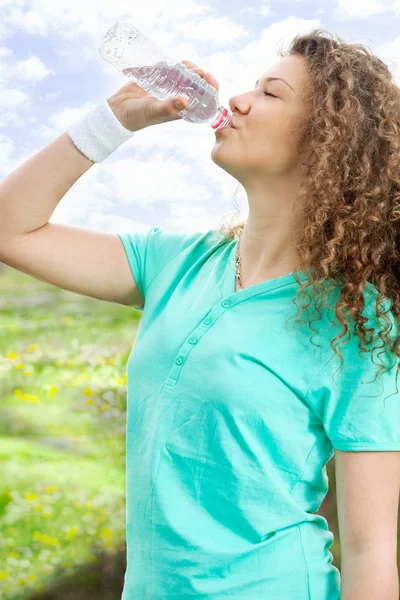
pixel 13 3
pixel 389 52
pixel 4 51
pixel 218 30
pixel 13 119
pixel 264 10
pixel 50 97
pixel 30 21
pixel 32 69
pixel 7 149
pixel 61 120
pixel 359 9
pixel 13 98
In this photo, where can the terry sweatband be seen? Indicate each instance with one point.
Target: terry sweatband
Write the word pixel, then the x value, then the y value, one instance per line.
pixel 99 133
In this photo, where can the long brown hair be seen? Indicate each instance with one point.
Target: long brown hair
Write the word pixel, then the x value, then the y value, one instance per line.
pixel 350 196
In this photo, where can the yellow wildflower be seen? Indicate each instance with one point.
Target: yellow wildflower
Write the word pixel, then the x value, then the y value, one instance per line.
pixel 52 541
pixel 53 389
pixel 72 532
pixel 106 533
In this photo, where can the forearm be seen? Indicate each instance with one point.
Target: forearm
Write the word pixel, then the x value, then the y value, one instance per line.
pixel 30 194
pixel 369 578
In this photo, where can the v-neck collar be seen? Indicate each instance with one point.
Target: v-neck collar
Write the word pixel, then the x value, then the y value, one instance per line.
pixel 256 288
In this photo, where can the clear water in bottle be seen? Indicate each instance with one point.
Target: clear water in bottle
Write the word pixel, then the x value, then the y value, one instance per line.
pixel 141 60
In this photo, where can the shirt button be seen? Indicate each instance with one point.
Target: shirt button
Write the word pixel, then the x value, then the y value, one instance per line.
pixel 192 340
pixel 179 360
pixel 207 321
pixel 225 303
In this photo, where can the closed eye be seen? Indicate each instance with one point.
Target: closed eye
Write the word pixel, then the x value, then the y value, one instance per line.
pixel 268 94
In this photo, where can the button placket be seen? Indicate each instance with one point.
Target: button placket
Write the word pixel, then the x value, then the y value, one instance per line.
pixel 179 361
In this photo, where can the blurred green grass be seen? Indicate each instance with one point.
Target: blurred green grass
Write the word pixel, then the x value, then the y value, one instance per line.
pixel 62 431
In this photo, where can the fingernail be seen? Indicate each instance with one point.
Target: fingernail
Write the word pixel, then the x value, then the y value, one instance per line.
pixel 179 105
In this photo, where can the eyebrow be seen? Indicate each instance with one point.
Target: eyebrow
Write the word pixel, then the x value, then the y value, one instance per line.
pixel 276 79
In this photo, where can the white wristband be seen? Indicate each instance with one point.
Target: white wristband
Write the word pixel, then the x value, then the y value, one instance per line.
pixel 99 133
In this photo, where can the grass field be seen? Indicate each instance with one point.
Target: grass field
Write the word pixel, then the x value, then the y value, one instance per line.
pixel 62 430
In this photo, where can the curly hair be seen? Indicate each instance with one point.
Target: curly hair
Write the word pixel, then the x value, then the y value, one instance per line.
pixel 350 195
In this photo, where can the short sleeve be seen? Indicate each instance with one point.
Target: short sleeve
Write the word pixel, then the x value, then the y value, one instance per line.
pixel 150 252
pixel 359 408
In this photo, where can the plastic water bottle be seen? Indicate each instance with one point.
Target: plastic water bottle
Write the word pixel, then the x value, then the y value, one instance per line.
pixel 140 59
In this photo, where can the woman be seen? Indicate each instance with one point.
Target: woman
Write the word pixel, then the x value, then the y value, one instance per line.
pixel 232 415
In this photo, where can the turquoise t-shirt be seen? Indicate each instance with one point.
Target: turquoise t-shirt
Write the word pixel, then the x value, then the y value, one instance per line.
pixel 231 419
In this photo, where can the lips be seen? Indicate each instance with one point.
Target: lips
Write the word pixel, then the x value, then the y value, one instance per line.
pixel 230 126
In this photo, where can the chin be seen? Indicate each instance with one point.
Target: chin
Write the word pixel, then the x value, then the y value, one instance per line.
pixel 216 154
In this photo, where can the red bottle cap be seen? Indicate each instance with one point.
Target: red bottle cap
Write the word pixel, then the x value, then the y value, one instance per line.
pixel 223 117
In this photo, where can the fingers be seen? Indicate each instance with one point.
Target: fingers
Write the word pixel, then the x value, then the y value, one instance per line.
pixel 189 64
pixel 210 79
pixel 202 73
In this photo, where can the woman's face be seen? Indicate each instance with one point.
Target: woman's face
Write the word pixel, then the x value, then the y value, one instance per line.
pixel 265 141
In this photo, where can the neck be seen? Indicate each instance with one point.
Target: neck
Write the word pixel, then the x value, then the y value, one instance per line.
pixel 268 240
pixel 253 267
pixel 239 285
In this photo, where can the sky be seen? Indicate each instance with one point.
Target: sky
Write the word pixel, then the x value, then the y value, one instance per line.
pixel 52 74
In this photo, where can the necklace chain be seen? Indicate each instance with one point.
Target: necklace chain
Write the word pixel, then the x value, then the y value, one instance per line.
pixel 237 267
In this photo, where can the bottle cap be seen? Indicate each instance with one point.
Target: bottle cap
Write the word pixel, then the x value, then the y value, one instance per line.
pixel 221 119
